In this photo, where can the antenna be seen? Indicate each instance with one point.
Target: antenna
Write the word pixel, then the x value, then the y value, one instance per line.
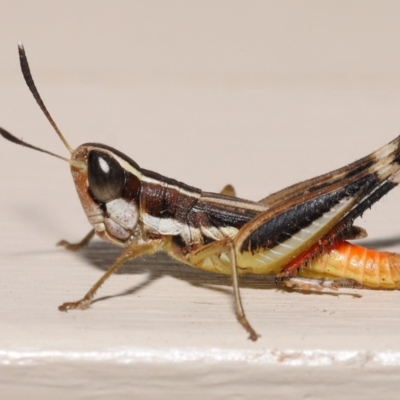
pixel 31 84
pixel 26 72
pixel 7 135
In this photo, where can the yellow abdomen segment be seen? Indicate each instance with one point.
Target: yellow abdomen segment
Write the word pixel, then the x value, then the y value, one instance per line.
pixel 371 268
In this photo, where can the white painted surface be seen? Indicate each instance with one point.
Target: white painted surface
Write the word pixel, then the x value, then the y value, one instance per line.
pixel 259 94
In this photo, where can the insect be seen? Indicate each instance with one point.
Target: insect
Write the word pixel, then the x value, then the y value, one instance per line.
pixel 297 234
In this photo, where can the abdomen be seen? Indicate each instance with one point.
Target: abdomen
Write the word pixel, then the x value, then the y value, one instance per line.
pixel 371 268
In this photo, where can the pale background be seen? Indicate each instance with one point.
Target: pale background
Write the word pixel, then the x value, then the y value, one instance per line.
pixel 260 94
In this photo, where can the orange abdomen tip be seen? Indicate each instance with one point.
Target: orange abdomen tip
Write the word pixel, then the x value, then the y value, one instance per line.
pixel 371 268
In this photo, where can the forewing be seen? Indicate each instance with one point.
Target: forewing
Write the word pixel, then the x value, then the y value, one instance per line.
pixel 302 214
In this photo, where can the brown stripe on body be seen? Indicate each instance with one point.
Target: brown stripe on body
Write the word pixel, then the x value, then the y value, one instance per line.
pixel 164 198
pixel 214 217
pixel 131 188
pixel 195 218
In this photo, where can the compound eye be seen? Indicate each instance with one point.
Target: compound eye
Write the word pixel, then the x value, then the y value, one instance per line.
pixel 106 176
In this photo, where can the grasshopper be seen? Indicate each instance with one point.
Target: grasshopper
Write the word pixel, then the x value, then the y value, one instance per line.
pixel 297 235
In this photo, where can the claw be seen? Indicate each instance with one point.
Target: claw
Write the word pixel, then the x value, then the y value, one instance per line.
pixel 75 305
